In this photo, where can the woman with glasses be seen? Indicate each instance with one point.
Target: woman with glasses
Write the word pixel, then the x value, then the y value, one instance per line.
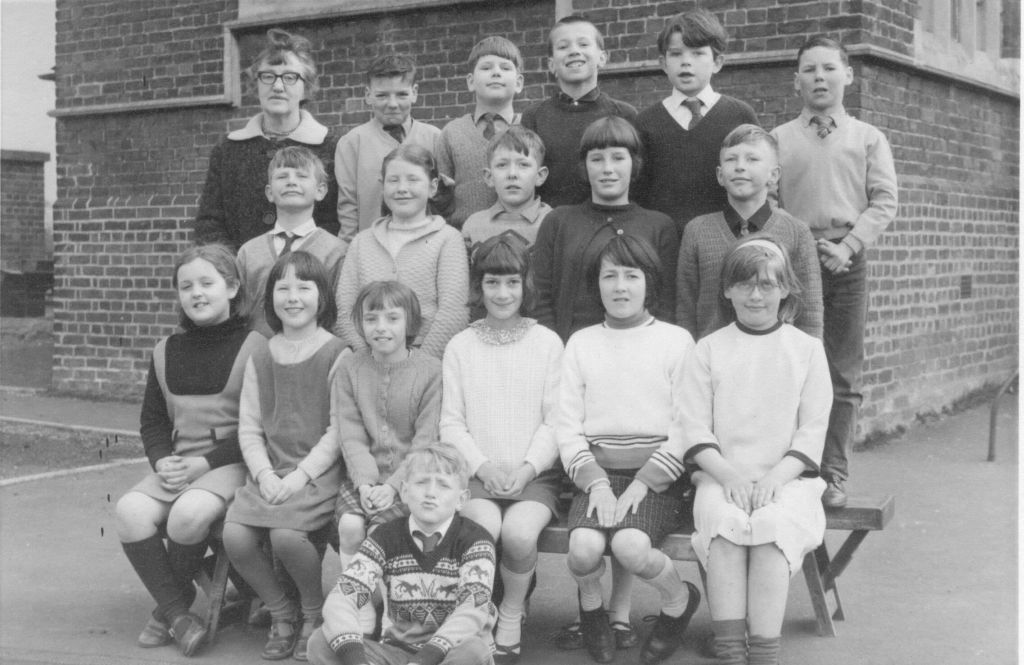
pixel 234 206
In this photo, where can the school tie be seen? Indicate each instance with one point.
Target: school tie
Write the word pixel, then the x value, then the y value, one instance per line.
pixel 488 119
pixel 397 132
pixel 694 105
pixel 289 240
pixel 429 542
pixel 825 125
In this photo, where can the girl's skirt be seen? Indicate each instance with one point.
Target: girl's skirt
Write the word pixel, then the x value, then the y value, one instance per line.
pixel 795 523
pixel 543 489
pixel 348 502
pixel 657 515
pixel 307 510
pixel 222 481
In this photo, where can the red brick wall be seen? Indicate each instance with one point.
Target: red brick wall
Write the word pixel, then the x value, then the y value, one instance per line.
pixel 128 184
pixel 22 210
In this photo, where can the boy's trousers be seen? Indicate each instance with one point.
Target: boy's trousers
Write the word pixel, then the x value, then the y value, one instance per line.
pixel 846 306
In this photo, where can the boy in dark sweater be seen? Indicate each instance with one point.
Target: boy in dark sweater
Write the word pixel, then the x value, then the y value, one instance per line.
pixel 577 53
pixel 437 567
pixel 683 133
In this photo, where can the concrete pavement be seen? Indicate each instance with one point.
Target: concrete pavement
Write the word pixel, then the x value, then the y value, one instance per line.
pixel 938 586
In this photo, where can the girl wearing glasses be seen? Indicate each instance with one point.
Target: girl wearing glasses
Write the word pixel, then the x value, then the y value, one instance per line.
pixel 234 207
pixel 755 407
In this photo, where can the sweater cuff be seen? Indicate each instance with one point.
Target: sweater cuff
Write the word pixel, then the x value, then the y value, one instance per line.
pixel 349 649
pixel 688 457
pixel 430 654
pixel 588 474
pixel 852 242
pixel 812 470
pixel 659 472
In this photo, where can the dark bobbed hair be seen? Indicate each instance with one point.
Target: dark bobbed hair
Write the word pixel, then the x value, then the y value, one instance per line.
pixel 613 132
pixel 571 20
pixel 503 254
pixel 436 458
pixel 518 139
pixel 698 28
pixel 824 42
pixel 279 44
pixel 629 252
pixel 497 46
pixel 307 268
pixel 388 293
pixel 746 261
pixel 298 157
pixel 222 258
pixel 392 65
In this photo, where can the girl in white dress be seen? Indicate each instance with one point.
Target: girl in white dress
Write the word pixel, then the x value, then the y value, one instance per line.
pixel 500 379
pixel 755 407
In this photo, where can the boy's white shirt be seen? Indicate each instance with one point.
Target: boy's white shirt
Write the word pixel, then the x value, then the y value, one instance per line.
pixel 682 115
pixel 302 231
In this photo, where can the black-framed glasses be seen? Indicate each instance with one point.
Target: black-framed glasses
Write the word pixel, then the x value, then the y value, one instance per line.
pixel 270 78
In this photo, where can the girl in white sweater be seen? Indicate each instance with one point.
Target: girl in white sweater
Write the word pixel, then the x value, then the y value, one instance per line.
pixel 500 379
pixel 756 402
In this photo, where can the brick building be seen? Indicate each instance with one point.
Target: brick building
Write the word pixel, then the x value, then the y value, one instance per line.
pixel 25 259
pixel 144 91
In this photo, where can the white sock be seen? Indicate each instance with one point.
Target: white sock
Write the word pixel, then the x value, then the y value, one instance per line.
pixel 620 602
pixel 510 614
pixel 674 596
pixel 591 594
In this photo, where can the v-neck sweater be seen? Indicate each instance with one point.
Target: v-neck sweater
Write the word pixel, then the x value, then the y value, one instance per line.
pixel 679 176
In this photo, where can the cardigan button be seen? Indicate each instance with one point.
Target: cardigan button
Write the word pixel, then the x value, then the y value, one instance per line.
pixel 618 231
pixel 269 218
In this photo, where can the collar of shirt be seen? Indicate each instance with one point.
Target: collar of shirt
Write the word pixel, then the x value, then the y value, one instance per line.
pixel 415 526
pixel 509 117
pixel 302 230
pixel 674 104
pixel 586 98
pixel 529 214
pixel 309 130
pixel 756 221
pixel 806 115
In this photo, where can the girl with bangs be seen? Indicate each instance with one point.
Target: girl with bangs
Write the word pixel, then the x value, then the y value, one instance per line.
pixel 500 379
pixel 757 509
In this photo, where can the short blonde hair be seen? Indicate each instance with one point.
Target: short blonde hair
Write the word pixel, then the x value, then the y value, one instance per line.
pixel 437 457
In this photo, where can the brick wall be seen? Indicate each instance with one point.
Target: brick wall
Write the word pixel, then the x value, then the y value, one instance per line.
pixel 22 209
pixel 128 183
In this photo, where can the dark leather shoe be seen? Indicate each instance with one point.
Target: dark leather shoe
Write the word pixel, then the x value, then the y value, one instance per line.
pixel 155 634
pixel 667 634
pixel 189 631
pixel 625 635
pixel 835 494
pixel 597 635
pixel 279 646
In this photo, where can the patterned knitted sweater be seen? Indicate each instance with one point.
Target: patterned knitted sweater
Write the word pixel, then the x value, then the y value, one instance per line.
pixel 382 410
pixel 679 177
pixel 481 370
pixel 560 121
pixel 433 264
pixel 435 601
pixel 700 306
pixel 257 257
pixel 234 207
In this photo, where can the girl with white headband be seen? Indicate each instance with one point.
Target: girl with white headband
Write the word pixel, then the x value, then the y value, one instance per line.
pixel 755 405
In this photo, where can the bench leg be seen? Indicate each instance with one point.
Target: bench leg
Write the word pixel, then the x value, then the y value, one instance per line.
pixel 816 587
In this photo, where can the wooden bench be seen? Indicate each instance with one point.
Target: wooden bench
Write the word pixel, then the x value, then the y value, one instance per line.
pixel 860 516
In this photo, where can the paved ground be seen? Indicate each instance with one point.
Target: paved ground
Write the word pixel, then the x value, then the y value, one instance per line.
pixel 938 586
